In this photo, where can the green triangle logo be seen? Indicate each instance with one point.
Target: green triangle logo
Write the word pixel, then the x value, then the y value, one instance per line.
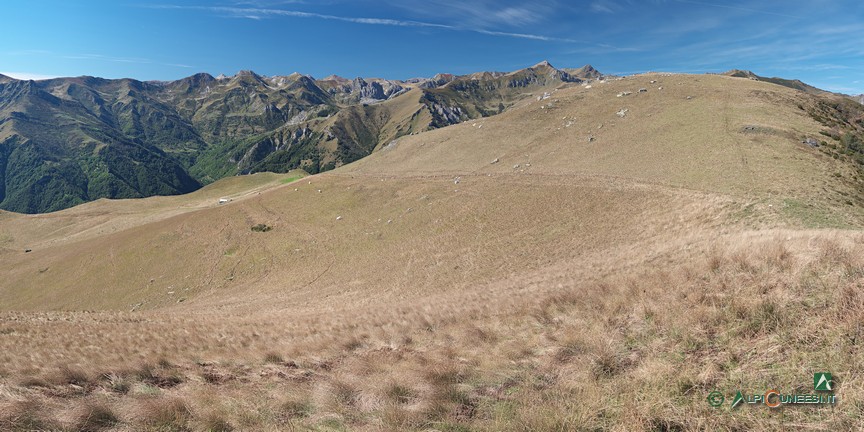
pixel 822 381
pixel 738 399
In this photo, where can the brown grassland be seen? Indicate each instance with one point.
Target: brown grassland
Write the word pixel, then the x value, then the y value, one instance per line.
pixel 556 267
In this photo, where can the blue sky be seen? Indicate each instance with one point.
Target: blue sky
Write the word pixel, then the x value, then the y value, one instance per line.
pixel 818 41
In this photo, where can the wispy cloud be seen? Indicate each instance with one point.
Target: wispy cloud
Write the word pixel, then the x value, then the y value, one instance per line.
pixel 484 14
pixel 524 36
pixel 107 58
pixel 604 7
pixel 258 13
pixel 96 57
pixel 739 8
pixel 266 3
pixel 602 49
pixel 516 16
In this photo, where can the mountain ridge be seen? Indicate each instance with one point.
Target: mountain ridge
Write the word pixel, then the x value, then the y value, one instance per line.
pixel 791 83
pixel 65 141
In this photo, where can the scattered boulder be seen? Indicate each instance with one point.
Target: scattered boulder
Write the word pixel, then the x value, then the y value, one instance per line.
pixel 811 142
pixel 643 90
pixel 624 93
pixel 622 113
pixel 494 161
pixel 338 217
pixel 261 227
pixel 457 180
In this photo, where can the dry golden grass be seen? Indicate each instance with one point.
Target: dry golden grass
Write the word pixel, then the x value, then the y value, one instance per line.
pixel 609 285
pixel 635 351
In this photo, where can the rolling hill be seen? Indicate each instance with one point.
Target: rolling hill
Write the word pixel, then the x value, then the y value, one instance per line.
pixel 597 256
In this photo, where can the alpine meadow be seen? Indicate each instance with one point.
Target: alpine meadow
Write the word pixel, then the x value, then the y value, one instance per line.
pixel 546 249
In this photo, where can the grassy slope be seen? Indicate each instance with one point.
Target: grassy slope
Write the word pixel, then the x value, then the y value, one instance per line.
pixel 105 216
pixel 609 284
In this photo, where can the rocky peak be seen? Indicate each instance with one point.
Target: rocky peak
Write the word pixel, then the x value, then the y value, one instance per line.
pixel 336 78
pixel 246 73
pixel 543 64
pixel 585 72
pixel 541 73
pixel 438 80
pixel 189 84
pixel 361 89
pixel 199 79
pixel 738 73
pixel 247 77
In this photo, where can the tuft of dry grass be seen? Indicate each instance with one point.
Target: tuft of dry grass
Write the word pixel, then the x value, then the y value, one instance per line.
pixel 96 417
pixel 216 423
pixel 168 414
pixel 273 357
pixel 26 415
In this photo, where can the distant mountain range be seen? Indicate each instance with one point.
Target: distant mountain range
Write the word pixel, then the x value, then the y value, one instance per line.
pixel 66 141
pixel 795 84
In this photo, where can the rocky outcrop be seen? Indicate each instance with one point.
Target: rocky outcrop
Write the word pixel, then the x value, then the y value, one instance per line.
pixel 438 80
pixel 360 90
pixel 586 72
